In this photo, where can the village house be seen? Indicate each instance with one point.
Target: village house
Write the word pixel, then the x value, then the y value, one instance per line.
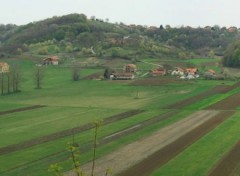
pixel 52 60
pixel 192 71
pixel 130 68
pixel 158 72
pixel 178 72
pixel 4 67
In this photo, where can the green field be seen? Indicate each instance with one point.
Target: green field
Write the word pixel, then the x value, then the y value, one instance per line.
pixel 68 104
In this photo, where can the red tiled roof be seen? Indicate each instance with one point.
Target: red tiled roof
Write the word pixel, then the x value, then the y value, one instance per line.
pixel 191 70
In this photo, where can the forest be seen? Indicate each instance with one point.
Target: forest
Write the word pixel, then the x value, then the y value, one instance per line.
pixel 76 34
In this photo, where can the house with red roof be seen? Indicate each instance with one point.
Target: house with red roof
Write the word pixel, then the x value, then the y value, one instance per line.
pixel 52 60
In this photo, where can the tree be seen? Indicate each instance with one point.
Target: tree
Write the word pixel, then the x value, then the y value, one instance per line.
pixel 69 48
pixel 232 55
pixel 74 150
pixel 16 78
pixel 107 73
pixel 8 82
pixel 38 76
pixel 97 125
pixel 2 83
pixel 76 72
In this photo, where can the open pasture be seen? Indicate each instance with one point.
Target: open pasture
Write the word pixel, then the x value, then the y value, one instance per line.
pixel 136 109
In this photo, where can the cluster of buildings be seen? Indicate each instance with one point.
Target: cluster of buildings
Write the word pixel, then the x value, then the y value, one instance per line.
pixel 128 72
pixel 188 73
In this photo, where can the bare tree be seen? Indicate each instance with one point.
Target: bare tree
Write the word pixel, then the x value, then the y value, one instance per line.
pixel 96 125
pixel 8 82
pixel 2 83
pixel 16 78
pixel 38 76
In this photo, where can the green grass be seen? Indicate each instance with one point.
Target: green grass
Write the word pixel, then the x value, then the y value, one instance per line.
pixel 200 157
pixel 29 124
pixel 70 104
pixel 198 61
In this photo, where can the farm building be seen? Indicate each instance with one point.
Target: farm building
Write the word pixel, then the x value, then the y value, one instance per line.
pixel 53 60
pixel 192 71
pixel 178 72
pixel 122 76
pixel 158 72
pixel 4 67
pixel 130 68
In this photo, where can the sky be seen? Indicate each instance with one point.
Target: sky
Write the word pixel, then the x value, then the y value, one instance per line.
pixel 175 13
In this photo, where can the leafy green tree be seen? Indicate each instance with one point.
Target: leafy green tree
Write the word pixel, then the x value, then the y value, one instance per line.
pixel 76 72
pixel 232 55
pixel 43 50
pixel 69 48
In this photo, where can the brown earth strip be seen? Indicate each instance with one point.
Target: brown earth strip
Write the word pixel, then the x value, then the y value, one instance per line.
pixel 228 163
pixel 230 103
pixel 64 133
pixel 61 155
pixel 158 81
pixel 161 157
pixel 21 109
pixel 136 128
pixel 135 152
pixel 216 90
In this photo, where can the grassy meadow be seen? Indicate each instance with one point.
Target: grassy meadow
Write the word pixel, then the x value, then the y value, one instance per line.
pixel 69 104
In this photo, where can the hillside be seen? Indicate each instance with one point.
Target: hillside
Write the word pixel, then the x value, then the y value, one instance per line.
pixel 78 36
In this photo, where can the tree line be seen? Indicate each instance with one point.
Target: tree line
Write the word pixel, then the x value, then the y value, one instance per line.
pixel 10 81
pixel 83 32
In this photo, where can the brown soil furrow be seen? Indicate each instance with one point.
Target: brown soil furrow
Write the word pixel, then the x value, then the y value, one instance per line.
pixel 230 103
pixel 62 155
pixel 21 109
pixel 216 90
pixel 137 127
pixel 138 151
pixel 228 163
pixel 64 133
pixel 161 157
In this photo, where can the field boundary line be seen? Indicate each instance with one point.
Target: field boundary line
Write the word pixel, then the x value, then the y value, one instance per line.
pixel 22 109
pixel 68 132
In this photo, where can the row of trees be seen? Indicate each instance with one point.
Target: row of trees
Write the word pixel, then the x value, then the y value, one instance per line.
pixel 10 81
pixel 75 28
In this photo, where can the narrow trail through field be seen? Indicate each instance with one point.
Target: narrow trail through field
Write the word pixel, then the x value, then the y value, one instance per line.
pixel 130 155
pixel 228 164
